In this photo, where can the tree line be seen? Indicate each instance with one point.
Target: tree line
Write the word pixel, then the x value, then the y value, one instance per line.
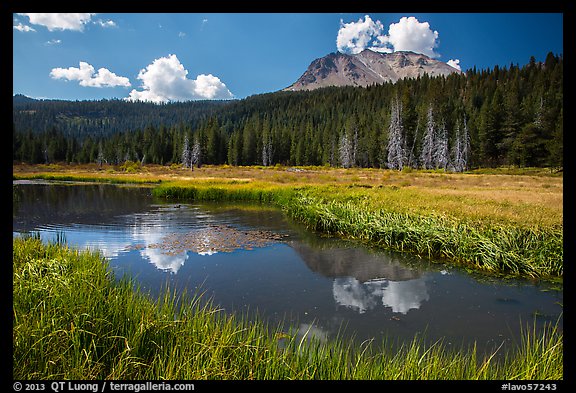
pixel 500 116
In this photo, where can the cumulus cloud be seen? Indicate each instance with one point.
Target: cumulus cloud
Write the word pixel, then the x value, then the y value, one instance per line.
pixel 411 35
pixel 55 21
pixel 354 37
pixel 165 79
pixel 165 262
pixel 88 78
pixel 23 28
pixel 53 42
pixel 400 296
pixel 455 63
pixel 408 34
pixel 403 296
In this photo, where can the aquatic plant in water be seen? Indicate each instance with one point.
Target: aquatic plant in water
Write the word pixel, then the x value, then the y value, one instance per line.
pixel 213 239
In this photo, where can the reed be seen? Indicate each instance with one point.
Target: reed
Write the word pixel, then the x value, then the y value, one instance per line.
pixel 529 251
pixel 100 178
pixel 497 223
pixel 223 192
pixel 73 320
pixel 491 246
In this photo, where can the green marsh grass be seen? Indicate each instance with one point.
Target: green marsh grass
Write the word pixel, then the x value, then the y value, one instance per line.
pixel 73 320
pixel 359 212
pixel 494 247
pixel 507 222
pixel 79 178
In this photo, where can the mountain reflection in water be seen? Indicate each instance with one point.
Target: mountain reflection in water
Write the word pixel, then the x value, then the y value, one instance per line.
pixel 364 280
pixel 248 258
pixel 400 296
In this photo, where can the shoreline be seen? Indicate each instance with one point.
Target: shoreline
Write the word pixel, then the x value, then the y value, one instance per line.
pixel 377 208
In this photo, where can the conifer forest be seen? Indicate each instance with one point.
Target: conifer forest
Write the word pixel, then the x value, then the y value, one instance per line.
pixel 482 118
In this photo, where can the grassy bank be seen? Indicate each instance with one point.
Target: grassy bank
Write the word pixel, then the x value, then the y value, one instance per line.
pixel 72 320
pixel 370 215
pixel 500 223
pixel 529 251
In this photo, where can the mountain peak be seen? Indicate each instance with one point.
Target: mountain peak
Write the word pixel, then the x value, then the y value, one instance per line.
pixel 366 68
pixel 21 98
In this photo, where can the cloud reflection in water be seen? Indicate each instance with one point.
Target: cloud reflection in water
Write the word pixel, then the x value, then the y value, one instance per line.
pixel 163 261
pixel 400 296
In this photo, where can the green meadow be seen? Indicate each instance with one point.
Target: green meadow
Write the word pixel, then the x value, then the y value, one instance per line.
pixel 492 221
pixel 73 320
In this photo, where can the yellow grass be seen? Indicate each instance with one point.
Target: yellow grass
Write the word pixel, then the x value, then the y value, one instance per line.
pixel 534 199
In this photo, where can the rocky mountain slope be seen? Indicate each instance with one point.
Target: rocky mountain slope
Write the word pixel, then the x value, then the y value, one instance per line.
pixel 366 68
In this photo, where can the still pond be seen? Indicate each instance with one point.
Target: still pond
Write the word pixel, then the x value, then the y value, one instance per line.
pixel 252 259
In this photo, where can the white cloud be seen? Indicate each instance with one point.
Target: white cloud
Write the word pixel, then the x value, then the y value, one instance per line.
pixel 454 63
pixel 209 86
pixel 403 296
pixel 53 42
pixel 54 21
pixel 23 28
pixel 411 35
pixel 105 24
pixel 181 34
pixel 88 78
pixel 354 37
pixel 165 262
pixel 165 79
pixel 400 296
pixel 407 35
pixel 351 293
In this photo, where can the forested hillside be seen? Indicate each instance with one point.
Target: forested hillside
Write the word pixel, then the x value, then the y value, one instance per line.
pixel 502 116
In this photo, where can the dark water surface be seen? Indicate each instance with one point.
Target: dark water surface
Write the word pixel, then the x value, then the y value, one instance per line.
pixel 319 285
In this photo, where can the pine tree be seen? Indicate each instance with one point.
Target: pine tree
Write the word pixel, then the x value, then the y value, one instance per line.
pixel 235 148
pixel 411 156
pixel 100 157
pixel 267 148
pixel 345 151
pixel 514 116
pixel 512 113
pixel 460 149
pixel 465 147
pixel 427 154
pixel 249 143
pixel 186 154
pixel 45 151
pixel 396 142
pixel 196 154
pixel 440 150
pixel 556 144
pixel 491 134
pixel 454 165
pixel 354 144
pixel 349 143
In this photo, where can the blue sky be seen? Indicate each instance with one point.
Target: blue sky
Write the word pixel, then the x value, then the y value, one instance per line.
pixel 178 57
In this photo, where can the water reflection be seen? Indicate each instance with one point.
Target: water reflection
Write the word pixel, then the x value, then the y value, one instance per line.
pixel 65 203
pixel 163 261
pixel 365 279
pixel 322 284
pixel 109 247
pixel 342 259
pixel 310 332
pixel 400 296
pixel 403 296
